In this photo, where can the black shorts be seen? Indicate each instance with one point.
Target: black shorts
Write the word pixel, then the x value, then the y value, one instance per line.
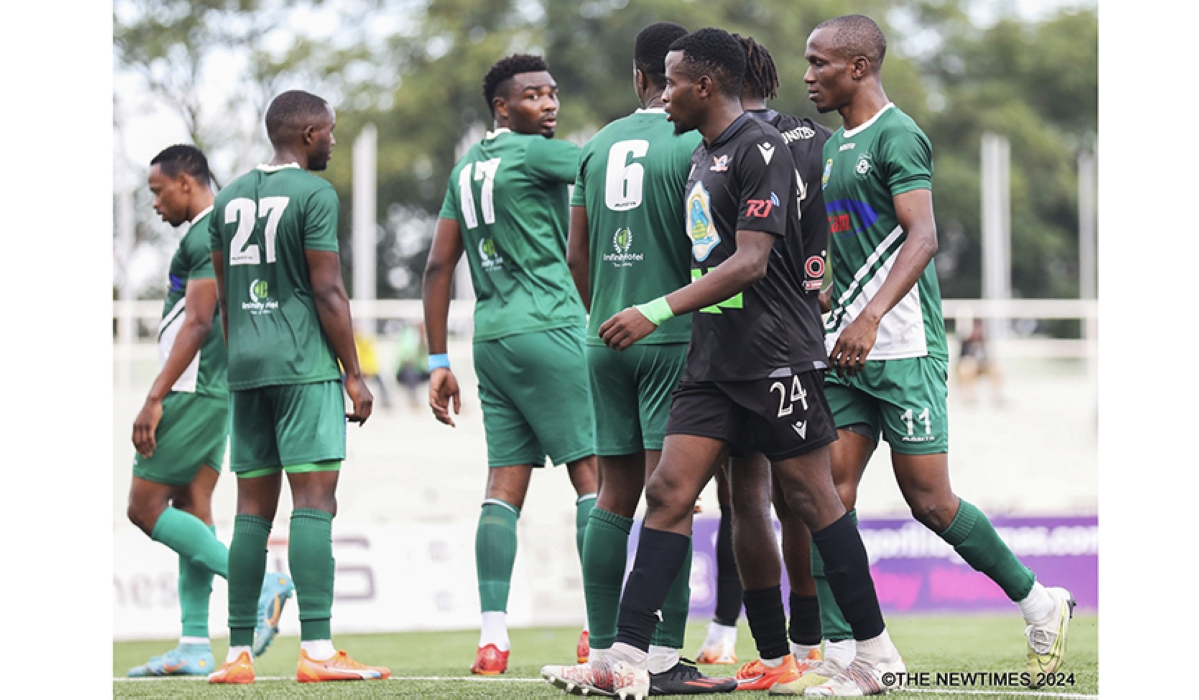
pixel 781 418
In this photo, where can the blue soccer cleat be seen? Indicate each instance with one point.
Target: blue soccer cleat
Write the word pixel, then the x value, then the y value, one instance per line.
pixel 184 660
pixel 276 589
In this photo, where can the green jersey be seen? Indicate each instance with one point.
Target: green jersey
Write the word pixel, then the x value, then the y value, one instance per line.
pixel 206 373
pixel 631 179
pixel 262 224
pixel 509 195
pixel 863 170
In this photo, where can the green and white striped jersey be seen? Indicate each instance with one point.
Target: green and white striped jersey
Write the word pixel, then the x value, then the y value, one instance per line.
pixel 206 373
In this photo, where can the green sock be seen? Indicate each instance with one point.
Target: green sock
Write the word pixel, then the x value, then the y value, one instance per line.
pixel 247 566
pixel 191 539
pixel 833 625
pixel 495 553
pixel 195 590
pixel 605 557
pixel 583 508
pixel 310 559
pixel 671 631
pixel 975 539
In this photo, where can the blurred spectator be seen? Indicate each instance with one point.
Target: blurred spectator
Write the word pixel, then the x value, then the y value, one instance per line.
pixel 974 362
pixel 412 360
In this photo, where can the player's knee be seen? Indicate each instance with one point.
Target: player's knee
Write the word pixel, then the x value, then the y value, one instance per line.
pixel 928 513
pixel 143 515
pixel 848 493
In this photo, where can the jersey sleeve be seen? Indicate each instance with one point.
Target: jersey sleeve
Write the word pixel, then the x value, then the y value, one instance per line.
pixel 764 177
pixel 449 205
pixel 320 220
pixel 578 198
pixel 214 229
pixel 908 156
pixel 553 160
pixel 196 247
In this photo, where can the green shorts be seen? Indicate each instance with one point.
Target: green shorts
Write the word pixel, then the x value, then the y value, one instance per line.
pixel 287 424
pixel 904 399
pixel 536 399
pixel 190 435
pixel 631 392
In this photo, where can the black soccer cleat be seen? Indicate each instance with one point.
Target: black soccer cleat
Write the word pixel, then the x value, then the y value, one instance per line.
pixel 685 679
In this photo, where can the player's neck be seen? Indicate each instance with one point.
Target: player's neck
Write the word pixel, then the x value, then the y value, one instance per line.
pixel 653 101
pixel 866 103
pixel 287 156
pixel 199 203
pixel 719 119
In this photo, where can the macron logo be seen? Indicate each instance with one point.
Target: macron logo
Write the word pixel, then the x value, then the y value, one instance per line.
pixel 801 429
pixel 767 151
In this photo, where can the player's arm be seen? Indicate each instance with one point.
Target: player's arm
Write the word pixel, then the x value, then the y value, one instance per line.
pixel 333 311
pixel 200 301
pixel 578 254
pixel 914 210
pixel 444 255
pixel 736 274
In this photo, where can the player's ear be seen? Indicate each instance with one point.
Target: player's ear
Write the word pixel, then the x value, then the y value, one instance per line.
pixel 859 68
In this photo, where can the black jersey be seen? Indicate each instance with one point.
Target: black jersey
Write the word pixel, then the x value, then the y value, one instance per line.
pixel 746 180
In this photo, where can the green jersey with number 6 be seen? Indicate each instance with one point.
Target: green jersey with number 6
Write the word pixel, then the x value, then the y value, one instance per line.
pixel 864 169
pixel 509 195
pixel 262 223
pixel 631 179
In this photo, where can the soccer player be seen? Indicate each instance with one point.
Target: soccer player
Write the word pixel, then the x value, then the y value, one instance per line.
pixel 506 208
pixel 286 317
pixel 753 486
pixel 752 377
pixel 625 245
pixel 180 432
pixel 885 334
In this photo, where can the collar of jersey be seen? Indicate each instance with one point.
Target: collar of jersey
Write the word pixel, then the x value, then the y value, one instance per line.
pixel 651 110
pixel 275 168
pixel 859 129
pixel 730 130
pixel 199 216
pixel 494 134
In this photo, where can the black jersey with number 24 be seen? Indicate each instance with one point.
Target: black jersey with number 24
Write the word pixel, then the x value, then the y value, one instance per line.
pixel 745 180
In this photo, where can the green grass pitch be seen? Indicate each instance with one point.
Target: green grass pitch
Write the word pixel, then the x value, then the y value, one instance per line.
pixel 434 664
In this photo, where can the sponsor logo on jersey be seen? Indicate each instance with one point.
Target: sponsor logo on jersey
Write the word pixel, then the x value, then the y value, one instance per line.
pixel 700 226
pixel 814 269
pixel 847 146
pixel 802 132
pixel 828 170
pixel 622 241
pixel 720 164
pixel 177 283
pixel 841 216
pixel 260 301
pixel 761 208
pixel 489 258
pixel 862 168
pixel 767 151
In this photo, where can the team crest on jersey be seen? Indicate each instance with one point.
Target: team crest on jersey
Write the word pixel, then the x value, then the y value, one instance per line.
pixel 864 165
pixel 260 299
pixel 700 226
pixel 489 258
pixel 828 170
pixel 720 164
pixel 622 242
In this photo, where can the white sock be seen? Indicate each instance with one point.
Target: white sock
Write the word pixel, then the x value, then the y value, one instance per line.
pixel 801 651
pixel 495 630
pixel 1038 606
pixel 626 652
pixel 319 649
pixel 877 650
pixel 194 640
pixel 840 653
pixel 235 652
pixel 597 655
pixel 661 659
pixel 718 632
pixel 774 663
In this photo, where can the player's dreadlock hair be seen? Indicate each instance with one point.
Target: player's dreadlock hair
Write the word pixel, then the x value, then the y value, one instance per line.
pixel 497 78
pixel 291 112
pixel 653 43
pixel 857 35
pixel 761 78
pixel 182 158
pixel 715 53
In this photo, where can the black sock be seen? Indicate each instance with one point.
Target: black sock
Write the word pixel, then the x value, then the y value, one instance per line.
pixel 728 581
pixel 767 622
pixel 660 557
pixel 848 573
pixel 805 620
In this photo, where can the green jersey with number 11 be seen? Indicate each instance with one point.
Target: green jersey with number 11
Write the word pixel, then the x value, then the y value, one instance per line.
pixel 509 195
pixel 262 223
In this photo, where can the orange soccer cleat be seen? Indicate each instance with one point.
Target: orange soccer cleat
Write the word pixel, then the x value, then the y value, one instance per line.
pixel 583 648
pixel 340 667
pixel 239 670
pixel 755 675
pixel 490 661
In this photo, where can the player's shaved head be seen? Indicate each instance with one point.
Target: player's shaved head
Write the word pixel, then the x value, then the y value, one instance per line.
pixel 498 80
pixel 761 77
pixel 182 158
pixel 653 43
pixel 715 53
pixel 857 35
pixel 292 112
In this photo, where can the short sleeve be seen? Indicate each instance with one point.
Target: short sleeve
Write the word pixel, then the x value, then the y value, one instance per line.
pixel 578 197
pixel 320 220
pixel 199 259
pixel 909 161
pixel 764 177
pixel 214 232
pixel 553 160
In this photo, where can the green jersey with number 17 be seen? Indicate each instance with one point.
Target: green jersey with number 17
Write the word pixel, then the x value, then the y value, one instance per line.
pixel 631 179
pixel 262 223
pixel 864 169
pixel 510 197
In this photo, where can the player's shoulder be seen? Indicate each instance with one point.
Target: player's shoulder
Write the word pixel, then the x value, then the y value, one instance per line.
pixel 896 121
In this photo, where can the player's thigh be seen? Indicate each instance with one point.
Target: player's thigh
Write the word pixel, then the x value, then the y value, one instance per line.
pixel 310 423
pixel 192 433
pixel 914 393
pixel 509 436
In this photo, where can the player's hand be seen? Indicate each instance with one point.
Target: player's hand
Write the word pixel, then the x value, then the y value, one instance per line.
pixel 144 427
pixel 852 346
pixel 362 399
pixel 625 328
pixel 443 388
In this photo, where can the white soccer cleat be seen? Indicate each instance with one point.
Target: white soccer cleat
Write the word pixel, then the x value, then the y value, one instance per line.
pixel 860 679
pixel 1047 643
pixel 609 678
